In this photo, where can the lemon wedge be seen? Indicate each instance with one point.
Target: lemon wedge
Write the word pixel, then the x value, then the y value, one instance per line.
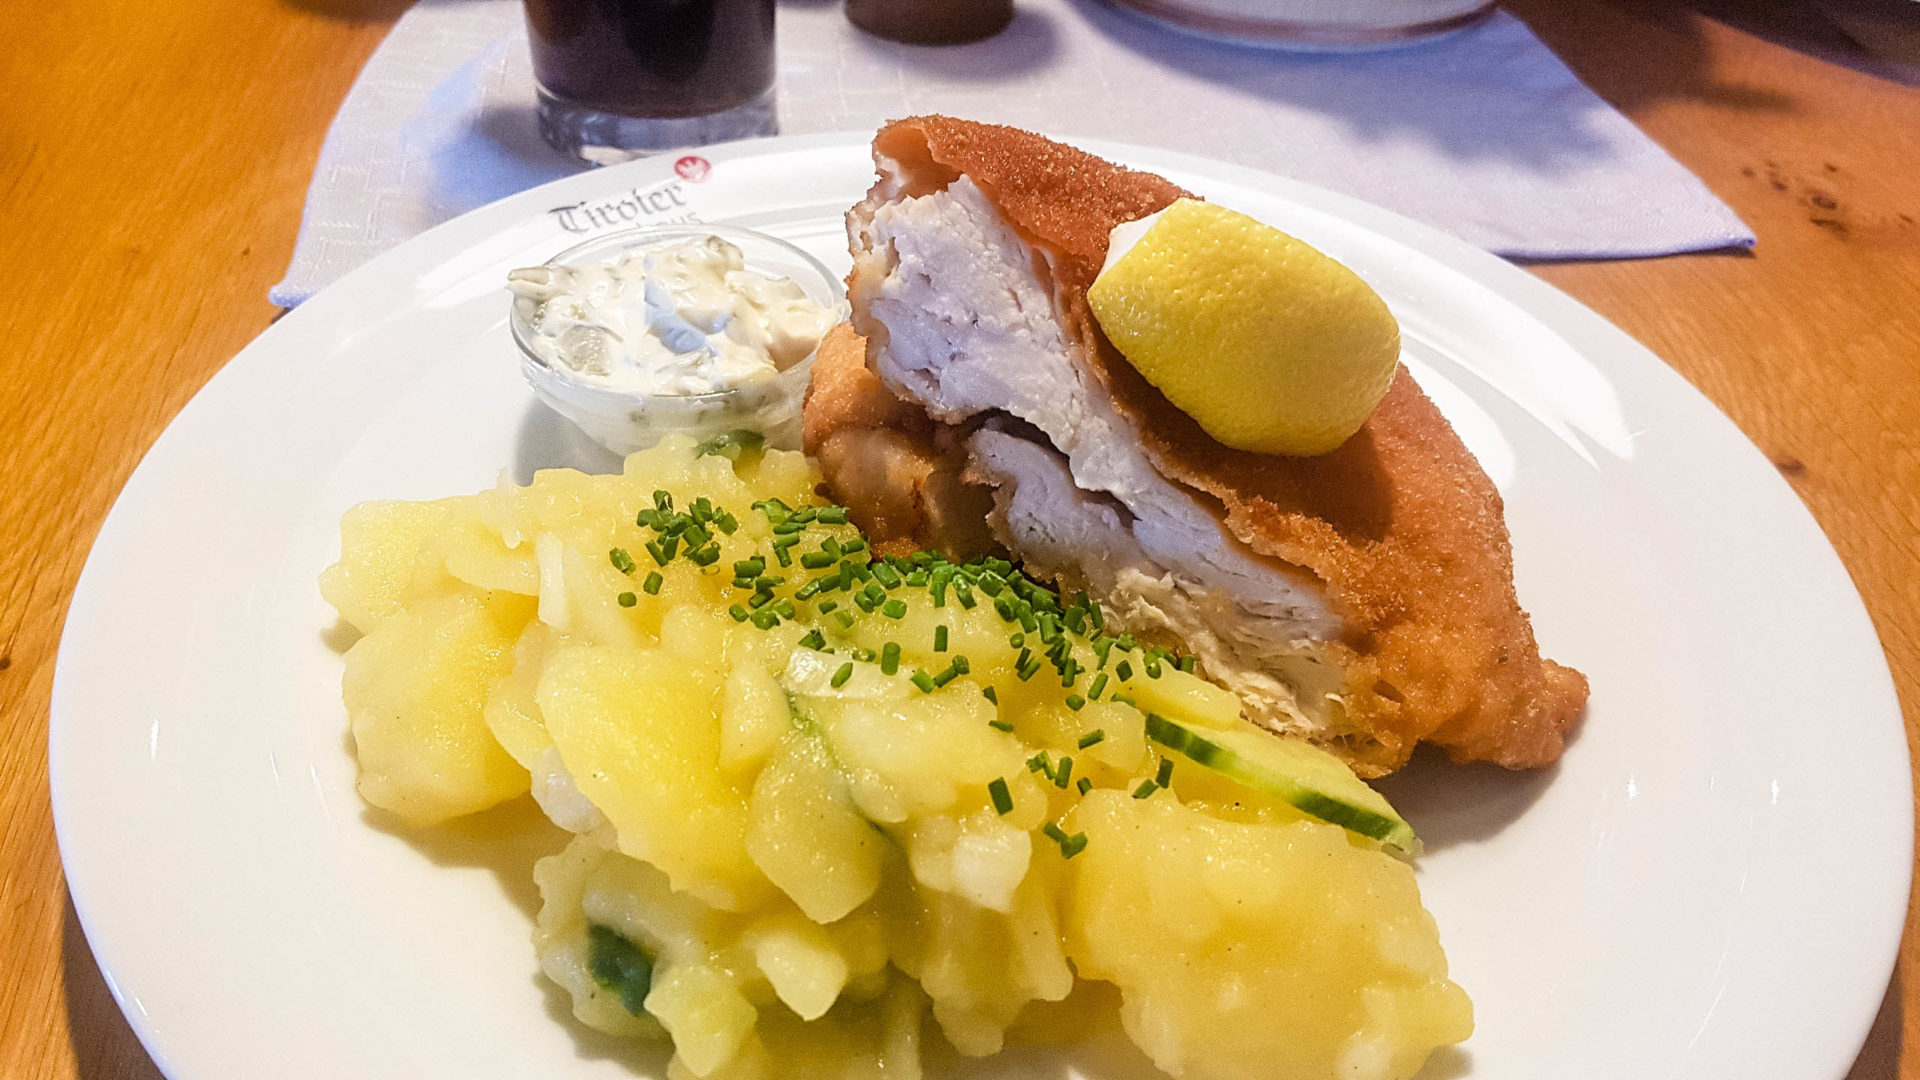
pixel 1269 344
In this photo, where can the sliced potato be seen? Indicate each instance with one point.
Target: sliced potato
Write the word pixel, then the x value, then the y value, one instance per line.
pixel 1211 928
pixel 416 690
pixel 805 833
pixel 389 557
pixel 640 733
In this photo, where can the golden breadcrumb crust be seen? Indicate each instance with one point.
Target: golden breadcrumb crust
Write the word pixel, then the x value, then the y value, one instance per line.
pixel 888 461
pixel 1401 523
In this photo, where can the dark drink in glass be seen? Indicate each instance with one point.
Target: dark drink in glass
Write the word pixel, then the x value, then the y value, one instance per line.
pixel 619 78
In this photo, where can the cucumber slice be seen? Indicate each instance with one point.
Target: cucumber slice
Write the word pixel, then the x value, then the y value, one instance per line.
pixel 1305 776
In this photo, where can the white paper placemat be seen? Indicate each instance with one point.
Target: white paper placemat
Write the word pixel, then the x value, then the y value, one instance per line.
pixel 1484 133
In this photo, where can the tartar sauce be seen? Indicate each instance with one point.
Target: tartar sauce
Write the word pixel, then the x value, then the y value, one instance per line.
pixel 678 319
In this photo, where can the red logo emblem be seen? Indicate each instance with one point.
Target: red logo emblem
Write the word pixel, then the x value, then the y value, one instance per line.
pixel 693 168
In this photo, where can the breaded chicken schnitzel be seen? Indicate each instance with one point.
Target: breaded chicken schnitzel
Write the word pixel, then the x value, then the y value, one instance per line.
pixel 1362 599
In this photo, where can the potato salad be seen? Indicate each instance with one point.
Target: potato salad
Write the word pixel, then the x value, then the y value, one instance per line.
pixel 829 811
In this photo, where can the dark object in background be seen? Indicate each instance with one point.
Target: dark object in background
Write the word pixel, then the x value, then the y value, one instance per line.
pixel 618 78
pixel 931 22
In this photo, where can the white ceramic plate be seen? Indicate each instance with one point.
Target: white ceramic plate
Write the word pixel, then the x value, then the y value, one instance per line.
pixel 1710 885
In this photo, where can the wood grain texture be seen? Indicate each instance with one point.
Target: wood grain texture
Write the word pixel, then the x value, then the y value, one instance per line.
pixel 154 157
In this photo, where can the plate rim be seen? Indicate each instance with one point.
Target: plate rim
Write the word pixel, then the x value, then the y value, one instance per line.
pixel 1558 312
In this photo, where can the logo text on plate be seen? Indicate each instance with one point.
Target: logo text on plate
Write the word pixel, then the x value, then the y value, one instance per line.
pixel 660 204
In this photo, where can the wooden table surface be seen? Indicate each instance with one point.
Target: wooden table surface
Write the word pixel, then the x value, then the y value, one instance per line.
pixel 154 156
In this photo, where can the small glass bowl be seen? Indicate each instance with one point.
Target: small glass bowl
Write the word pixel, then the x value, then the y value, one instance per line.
pixel 624 421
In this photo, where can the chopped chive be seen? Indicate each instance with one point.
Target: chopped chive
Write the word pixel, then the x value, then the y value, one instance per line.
pixel 1092 738
pixel 653 583
pixel 960 664
pixel 853 545
pixel 1004 608
pixel 833 515
pixel 621 561
pixel 814 640
pixel 1099 684
pixel 785 608
pixel 890 657
pixel 887 575
pixel 945 677
pixel 826 606
pixel 743 583
pixel 1028 622
pixel 750 568
pixel 993 695
pixel 1076 702
pixel 817 560
pixel 1123 699
pixel 696 537
pixel 924 681
pixel 627 599
pixel 845 619
pixel 1084 785
pixel 764 582
pixel 788 528
pixel 1063 773
pixel 1073 845
pixel 840 677
pixel 1028 670
pixel 1153 669
pixel 1055 833
pixel 663 500
pixel 706 556
pixel 964 594
pixel 940 638
pixel 1102 649
pixel 831 547
pixel 1041 764
pixel 1124 670
pixel 804 514
pixel 1000 725
pixel 727 523
pixel 1146 788
pixel 1165 776
pixel 660 556
pixel 1002 798
pixel 894 609
pixel 864 602
pixel 1017 640
pixel 1186 664
pixel 1099 622
pixel 759 600
pixel 765 618
pixel 739 613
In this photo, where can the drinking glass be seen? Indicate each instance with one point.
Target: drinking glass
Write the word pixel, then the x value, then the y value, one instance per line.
pixel 618 79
